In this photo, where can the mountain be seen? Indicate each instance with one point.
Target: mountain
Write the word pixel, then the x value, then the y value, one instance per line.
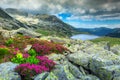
pixel 16 12
pixel 8 22
pixel 44 23
pixel 115 33
pixel 102 31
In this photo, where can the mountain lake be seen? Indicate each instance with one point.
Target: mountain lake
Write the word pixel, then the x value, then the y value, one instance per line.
pixel 84 37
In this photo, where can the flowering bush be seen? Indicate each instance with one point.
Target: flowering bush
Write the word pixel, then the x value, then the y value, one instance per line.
pixel 48 47
pixel 46 62
pixel 27 70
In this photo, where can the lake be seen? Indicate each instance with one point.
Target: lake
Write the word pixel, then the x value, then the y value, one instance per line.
pixel 84 37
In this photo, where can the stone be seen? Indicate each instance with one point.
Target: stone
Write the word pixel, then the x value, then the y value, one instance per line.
pixel 75 71
pixel 22 31
pixel 90 77
pixel 61 72
pixel 109 72
pixel 26 32
pixel 116 49
pixel 41 76
pixel 28 47
pixel 80 58
pixel 7 71
pixel 102 60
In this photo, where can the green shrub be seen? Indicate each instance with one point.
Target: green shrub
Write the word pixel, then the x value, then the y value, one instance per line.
pixel 9 42
pixel 4 51
pixel 32 60
pixel 32 52
pixel 18 58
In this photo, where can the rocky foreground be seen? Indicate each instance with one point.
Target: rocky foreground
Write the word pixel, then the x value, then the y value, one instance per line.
pixel 86 61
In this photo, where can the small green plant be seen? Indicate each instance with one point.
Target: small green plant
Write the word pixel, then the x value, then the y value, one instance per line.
pixel 32 60
pixel 32 52
pixel 18 58
pixel 4 51
pixel 9 42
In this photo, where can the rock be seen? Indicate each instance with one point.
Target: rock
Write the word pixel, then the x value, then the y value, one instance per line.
pixel 80 58
pixel 22 31
pixel 116 49
pixel 102 60
pixel 110 72
pixel 61 72
pixel 58 58
pixel 75 71
pixel 41 76
pixel 90 77
pixel 26 32
pixel 28 47
pixel 56 40
pixel 7 71
pixel 52 76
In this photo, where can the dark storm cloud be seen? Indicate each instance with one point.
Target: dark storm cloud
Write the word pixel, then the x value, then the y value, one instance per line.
pixel 79 8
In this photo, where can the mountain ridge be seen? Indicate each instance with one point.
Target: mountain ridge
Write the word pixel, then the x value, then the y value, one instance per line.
pixel 8 22
pixel 46 24
pixel 102 31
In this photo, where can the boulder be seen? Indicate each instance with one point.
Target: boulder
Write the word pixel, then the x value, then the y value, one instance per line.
pixel 61 72
pixel 22 31
pixel 110 72
pixel 7 71
pixel 116 49
pixel 80 58
pixel 41 76
pixel 26 32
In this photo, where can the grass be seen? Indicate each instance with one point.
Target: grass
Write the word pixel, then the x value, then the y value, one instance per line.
pixel 111 40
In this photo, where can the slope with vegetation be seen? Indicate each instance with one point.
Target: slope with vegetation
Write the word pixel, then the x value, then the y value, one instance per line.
pixel 43 22
pixel 112 41
pixel 30 54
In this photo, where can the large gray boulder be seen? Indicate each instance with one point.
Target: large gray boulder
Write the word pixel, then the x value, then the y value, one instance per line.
pixel 7 71
pixel 61 73
pixel 22 31
pixel 98 60
pixel 80 58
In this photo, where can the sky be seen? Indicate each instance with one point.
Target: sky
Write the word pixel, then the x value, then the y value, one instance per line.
pixel 78 13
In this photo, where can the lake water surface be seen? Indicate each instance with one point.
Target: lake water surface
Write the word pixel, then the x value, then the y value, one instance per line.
pixel 84 37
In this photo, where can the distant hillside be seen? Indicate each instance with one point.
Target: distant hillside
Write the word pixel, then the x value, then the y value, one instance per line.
pixel 102 31
pixel 16 11
pixel 45 24
pixel 7 22
pixel 114 33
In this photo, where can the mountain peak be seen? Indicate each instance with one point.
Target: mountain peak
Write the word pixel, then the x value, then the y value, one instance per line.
pixel 3 14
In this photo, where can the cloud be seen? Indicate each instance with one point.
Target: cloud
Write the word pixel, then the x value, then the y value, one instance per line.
pixel 85 10
pixel 80 25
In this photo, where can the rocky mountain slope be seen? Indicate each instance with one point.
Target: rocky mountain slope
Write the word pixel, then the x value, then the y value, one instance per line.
pixel 7 22
pixel 114 33
pixel 84 61
pixel 13 11
pixel 45 24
